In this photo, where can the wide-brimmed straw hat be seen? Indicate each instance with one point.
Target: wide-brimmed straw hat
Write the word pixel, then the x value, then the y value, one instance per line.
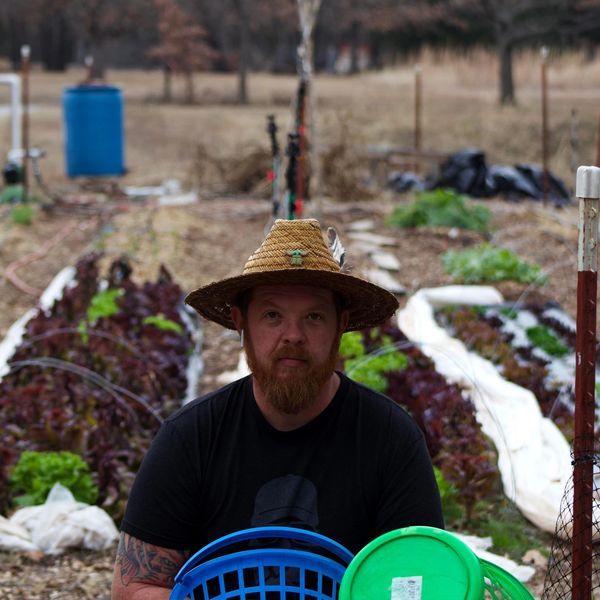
pixel 295 252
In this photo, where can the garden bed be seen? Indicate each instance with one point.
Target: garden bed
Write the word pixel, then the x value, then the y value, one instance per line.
pixel 197 245
pixel 96 374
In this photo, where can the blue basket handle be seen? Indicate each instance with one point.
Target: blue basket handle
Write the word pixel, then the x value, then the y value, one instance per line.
pixel 288 533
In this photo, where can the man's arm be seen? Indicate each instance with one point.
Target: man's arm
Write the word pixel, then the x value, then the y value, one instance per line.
pixel 144 571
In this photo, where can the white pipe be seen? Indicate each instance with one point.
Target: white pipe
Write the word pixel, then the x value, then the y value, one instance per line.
pixel 16 152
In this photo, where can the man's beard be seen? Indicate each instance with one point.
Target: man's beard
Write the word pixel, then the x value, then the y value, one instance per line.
pixel 290 390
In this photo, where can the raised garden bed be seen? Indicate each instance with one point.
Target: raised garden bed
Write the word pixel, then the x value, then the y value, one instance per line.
pixel 532 345
pixel 95 375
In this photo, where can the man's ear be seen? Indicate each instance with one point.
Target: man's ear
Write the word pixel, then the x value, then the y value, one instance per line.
pixel 236 317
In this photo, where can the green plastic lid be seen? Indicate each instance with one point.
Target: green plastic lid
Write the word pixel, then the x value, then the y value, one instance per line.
pixel 414 563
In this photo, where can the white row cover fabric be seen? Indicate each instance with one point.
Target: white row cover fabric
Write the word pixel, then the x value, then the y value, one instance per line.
pixel 480 546
pixel 533 455
pixel 60 523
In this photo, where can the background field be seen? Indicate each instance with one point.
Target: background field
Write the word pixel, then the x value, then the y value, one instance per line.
pixel 460 110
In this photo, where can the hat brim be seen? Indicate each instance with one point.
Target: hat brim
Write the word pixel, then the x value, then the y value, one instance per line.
pixel 368 304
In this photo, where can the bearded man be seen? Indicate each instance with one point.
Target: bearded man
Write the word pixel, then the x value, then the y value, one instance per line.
pixel 296 443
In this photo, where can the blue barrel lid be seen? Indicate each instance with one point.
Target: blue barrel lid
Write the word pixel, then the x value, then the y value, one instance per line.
pixel 84 87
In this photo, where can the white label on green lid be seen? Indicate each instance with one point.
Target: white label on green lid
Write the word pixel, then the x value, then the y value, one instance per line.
pixel 407 588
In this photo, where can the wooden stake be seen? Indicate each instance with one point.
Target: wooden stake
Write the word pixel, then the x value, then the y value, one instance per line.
pixel 25 54
pixel 588 192
pixel 545 185
pixel 598 145
pixel 418 106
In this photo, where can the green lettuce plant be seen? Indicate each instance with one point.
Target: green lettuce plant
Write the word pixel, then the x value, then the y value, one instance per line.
pixel 441 208
pixel 370 369
pixel 162 323
pixel 485 262
pixel 36 472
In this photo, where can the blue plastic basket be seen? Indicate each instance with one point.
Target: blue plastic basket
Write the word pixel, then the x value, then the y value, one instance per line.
pixel 267 572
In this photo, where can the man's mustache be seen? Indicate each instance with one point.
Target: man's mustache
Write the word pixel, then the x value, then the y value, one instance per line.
pixel 291 352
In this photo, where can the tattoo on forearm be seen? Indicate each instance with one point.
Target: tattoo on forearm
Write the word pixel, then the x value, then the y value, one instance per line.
pixel 145 563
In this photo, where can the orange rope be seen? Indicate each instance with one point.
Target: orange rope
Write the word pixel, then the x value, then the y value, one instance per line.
pixel 11 271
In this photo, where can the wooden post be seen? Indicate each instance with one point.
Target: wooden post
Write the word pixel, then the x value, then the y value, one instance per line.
pixel 88 61
pixel 25 55
pixel 545 186
pixel 598 145
pixel 588 192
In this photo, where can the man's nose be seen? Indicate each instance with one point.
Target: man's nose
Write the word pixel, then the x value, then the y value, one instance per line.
pixel 293 332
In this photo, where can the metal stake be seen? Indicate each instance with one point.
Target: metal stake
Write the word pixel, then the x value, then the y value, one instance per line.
pixel 588 192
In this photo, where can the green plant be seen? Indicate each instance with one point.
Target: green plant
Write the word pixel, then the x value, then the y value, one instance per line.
pixel 547 341
pixel 369 369
pixel 162 323
pixel 36 472
pixel 104 304
pixel 485 262
pixel 509 313
pixel 441 208
pixel 511 533
pixel 22 214
pixel 11 194
pixel 450 496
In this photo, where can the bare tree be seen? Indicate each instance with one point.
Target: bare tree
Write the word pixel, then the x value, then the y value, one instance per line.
pixel 239 27
pixel 101 20
pixel 514 23
pixel 183 47
pixel 583 23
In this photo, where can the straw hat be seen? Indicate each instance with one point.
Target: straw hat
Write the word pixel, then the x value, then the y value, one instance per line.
pixel 294 252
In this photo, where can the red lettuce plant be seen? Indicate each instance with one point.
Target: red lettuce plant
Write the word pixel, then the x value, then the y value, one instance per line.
pixel 457 446
pixel 97 387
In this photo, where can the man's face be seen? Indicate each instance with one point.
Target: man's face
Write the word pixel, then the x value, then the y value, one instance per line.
pixel 291 338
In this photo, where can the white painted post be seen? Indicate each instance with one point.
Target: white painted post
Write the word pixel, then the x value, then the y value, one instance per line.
pixel 14 81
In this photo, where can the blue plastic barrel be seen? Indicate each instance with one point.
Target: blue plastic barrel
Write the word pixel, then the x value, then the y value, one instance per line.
pixel 94 137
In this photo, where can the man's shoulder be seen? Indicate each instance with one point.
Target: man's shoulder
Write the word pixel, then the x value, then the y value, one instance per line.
pixel 375 405
pixel 367 395
pixel 217 401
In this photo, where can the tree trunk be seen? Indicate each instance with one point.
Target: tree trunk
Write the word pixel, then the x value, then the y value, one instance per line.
pixel 17 36
pixel 244 47
pixel 354 46
pixel 505 56
pixel 589 51
pixel 167 95
pixel 189 87
pixel 56 42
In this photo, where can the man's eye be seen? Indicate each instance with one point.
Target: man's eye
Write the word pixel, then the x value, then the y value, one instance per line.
pixel 272 315
pixel 315 317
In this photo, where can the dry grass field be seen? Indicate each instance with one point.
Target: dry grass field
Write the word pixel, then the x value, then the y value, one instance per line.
pixel 460 109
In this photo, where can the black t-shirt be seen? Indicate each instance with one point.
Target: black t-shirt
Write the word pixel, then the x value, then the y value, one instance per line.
pixel 357 470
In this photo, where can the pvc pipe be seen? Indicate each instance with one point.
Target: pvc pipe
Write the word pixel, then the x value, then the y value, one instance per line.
pixel 14 81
